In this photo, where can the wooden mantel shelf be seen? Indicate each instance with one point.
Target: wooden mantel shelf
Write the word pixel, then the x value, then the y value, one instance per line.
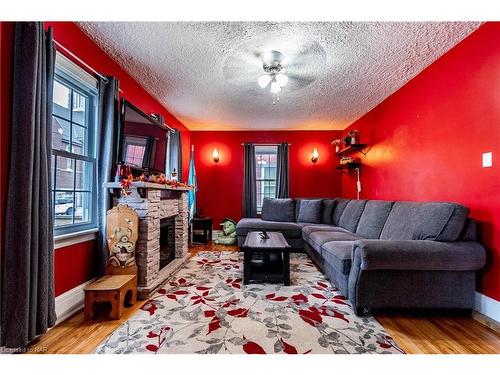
pixel 145 185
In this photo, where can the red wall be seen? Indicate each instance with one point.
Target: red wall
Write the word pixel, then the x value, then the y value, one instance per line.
pixel 75 264
pixel 220 184
pixel 427 140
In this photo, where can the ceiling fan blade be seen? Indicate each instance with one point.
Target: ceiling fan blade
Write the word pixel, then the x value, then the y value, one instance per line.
pixel 297 81
pixel 242 64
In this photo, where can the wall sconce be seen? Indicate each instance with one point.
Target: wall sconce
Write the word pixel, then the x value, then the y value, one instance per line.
pixel 215 155
pixel 315 155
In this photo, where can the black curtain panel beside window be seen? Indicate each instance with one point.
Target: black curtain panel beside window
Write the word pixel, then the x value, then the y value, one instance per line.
pixel 175 154
pixel 249 182
pixel 282 179
pixel 27 291
pixel 107 120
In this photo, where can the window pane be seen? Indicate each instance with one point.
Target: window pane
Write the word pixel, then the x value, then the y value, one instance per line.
pixel 84 175
pixel 65 173
pixel 134 155
pixel 79 108
pixel 79 140
pixel 62 100
pixel 64 209
pixel 73 127
pixel 60 134
pixel 265 160
pixel 82 208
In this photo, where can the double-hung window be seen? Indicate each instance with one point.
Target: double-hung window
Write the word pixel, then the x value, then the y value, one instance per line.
pixel 74 118
pixel 265 164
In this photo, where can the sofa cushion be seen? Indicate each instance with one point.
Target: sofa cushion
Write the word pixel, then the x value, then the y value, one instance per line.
pixel 289 229
pixel 317 239
pixel 310 211
pixel 310 228
pixel 469 233
pixel 424 221
pixel 338 255
pixel 278 209
pixel 373 218
pixel 351 215
pixel 340 205
pixel 327 212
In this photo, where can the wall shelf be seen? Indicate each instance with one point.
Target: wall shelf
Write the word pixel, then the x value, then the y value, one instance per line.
pixel 349 166
pixel 351 149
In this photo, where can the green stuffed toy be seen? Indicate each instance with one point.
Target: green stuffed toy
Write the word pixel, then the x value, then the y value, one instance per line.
pixel 228 235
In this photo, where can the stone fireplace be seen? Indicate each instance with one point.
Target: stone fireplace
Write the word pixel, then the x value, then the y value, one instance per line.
pixel 162 245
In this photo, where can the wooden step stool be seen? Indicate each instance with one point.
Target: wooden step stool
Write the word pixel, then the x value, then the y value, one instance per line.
pixel 119 286
pixel 119 290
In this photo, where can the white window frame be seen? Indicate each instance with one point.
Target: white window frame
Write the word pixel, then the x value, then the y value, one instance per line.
pixel 70 74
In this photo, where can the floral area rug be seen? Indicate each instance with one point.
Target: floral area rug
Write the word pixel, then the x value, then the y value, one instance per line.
pixel 204 308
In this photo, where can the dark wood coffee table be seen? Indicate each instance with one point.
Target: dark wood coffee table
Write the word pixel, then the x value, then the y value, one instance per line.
pixel 266 260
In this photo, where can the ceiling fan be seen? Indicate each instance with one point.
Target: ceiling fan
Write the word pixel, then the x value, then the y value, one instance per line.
pixel 291 65
pixel 274 76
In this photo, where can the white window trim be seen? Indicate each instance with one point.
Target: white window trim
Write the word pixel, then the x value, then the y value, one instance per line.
pixel 74 238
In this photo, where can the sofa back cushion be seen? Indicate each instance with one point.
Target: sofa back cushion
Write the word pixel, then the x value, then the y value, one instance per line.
pixel 340 205
pixel 309 211
pixel 278 209
pixel 351 215
pixel 327 212
pixel 373 218
pixel 469 233
pixel 424 221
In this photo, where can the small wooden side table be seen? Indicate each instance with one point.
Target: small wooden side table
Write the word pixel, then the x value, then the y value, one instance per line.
pixel 118 290
pixel 204 224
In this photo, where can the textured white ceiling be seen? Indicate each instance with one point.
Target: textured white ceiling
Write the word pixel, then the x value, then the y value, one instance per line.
pixel 206 73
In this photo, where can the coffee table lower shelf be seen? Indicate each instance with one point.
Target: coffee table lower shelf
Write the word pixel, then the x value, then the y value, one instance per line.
pixel 271 271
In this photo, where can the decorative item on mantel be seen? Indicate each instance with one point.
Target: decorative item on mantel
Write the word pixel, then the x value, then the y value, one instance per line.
pixel 173 176
pixel 126 182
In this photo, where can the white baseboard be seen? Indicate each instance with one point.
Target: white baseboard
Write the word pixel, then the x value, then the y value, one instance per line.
pixel 70 302
pixel 487 306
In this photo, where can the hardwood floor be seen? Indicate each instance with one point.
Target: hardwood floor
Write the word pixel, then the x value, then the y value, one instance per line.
pixel 415 333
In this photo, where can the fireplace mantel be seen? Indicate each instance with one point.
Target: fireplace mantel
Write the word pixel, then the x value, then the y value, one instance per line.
pixel 153 203
pixel 147 185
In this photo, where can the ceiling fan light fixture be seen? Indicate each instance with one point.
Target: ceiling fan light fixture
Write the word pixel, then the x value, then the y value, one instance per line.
pixel 282 79
pixel 275 87
pixel 264 80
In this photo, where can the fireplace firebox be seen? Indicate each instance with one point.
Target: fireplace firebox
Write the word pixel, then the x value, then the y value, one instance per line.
pixel 167 241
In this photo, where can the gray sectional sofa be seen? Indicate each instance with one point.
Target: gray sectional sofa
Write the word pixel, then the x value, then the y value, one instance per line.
pixel 382 254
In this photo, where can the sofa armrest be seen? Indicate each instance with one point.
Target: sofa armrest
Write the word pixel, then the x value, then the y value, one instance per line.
pixel 419 255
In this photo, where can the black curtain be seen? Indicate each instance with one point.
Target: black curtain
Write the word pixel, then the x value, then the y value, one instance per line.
pixel 175 154
pixel 282 183
pixel 27 292
pixel 106 126
pixel 149 152
pixel 249 182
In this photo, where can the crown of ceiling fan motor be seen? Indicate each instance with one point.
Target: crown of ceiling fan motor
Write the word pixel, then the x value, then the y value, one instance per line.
pixel 272 62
